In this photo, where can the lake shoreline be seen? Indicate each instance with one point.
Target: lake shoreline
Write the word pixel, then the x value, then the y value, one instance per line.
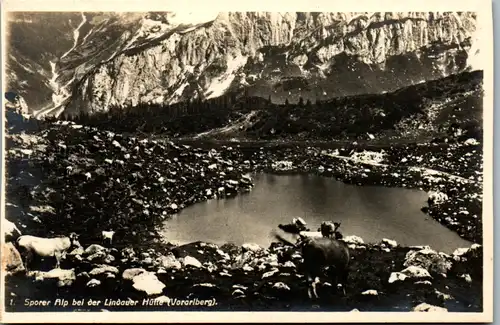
pixel 371 212
pixel 137 230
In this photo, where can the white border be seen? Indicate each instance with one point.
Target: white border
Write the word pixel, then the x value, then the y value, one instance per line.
pixel 485 28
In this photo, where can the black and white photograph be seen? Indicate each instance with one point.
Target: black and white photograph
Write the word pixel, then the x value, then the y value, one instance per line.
pixel 325 164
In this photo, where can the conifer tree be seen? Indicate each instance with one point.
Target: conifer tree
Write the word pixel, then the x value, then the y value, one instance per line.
pixel 301 101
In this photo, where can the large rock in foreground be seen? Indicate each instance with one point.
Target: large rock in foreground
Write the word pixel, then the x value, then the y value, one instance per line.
pixel 11 259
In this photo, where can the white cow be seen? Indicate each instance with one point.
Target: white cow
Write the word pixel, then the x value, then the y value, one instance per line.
pixel 46 247
pixel 108 235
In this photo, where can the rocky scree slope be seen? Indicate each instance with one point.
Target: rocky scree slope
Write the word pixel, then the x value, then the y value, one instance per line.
pixel 49 52
pixel 33 40
pixel 74 171
pixel 77 160
pixel 383 277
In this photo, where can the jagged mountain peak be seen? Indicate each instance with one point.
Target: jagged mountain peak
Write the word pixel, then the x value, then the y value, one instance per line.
pixel 131 58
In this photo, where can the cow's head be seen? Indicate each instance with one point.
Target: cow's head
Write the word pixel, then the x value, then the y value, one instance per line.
pixel 73 237
pixel 336 226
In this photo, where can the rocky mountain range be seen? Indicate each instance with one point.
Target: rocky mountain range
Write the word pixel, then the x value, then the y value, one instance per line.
pixel 87 62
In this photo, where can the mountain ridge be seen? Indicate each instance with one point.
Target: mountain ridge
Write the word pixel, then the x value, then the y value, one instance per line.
pixel 136 58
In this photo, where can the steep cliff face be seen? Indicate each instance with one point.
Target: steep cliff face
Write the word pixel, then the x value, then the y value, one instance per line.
pixel 286 55
pixel 128 59
pixel 33 41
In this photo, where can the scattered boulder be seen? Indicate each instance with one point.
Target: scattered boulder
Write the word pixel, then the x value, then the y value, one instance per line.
pixel 424 283
pixel 416 272
pixel 94 249
pixel 443 296
pixel 128 253
pixel 83 275
pixel 225 273
pixel 428 259
pixel 460 252
pixel 129 274
pixel 103 269
pixel 247 268
pixel 254 258
pixel 425 307
pixel 11 259
pixel 281 286
pixel 205 285
pixel 464 254
pixel 270 273
pixel 466 277
pixel 210 267
pixel 97 257
pixel 353 240
pixel 471 142
pixel 289 265
pixel 389 242
pixel 147 261
pixel 189 260
pixel 251 247
pixel 170 262
pixel 93 283
pixel 109 259
pixel 436 197
pixel 397 276
pixel 148 283
pixel 238 293
pixel 224 255
pixel 239 286
pixel 64 277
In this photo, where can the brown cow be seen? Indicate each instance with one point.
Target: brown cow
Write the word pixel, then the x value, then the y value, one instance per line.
pixel 319 253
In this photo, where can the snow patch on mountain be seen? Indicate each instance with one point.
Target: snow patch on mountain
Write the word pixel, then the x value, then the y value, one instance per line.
pixel 219 85
pixel 76 35
pixel 192 18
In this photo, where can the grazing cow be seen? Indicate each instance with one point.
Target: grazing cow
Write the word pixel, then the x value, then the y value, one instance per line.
pixel 328 229
pixel 299 222
pixel 108 235
pixel 319 253
pixel 46 247
pixel 297 225
pixel 26 152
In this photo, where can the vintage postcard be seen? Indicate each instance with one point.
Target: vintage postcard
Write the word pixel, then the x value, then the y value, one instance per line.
pixel 318 161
